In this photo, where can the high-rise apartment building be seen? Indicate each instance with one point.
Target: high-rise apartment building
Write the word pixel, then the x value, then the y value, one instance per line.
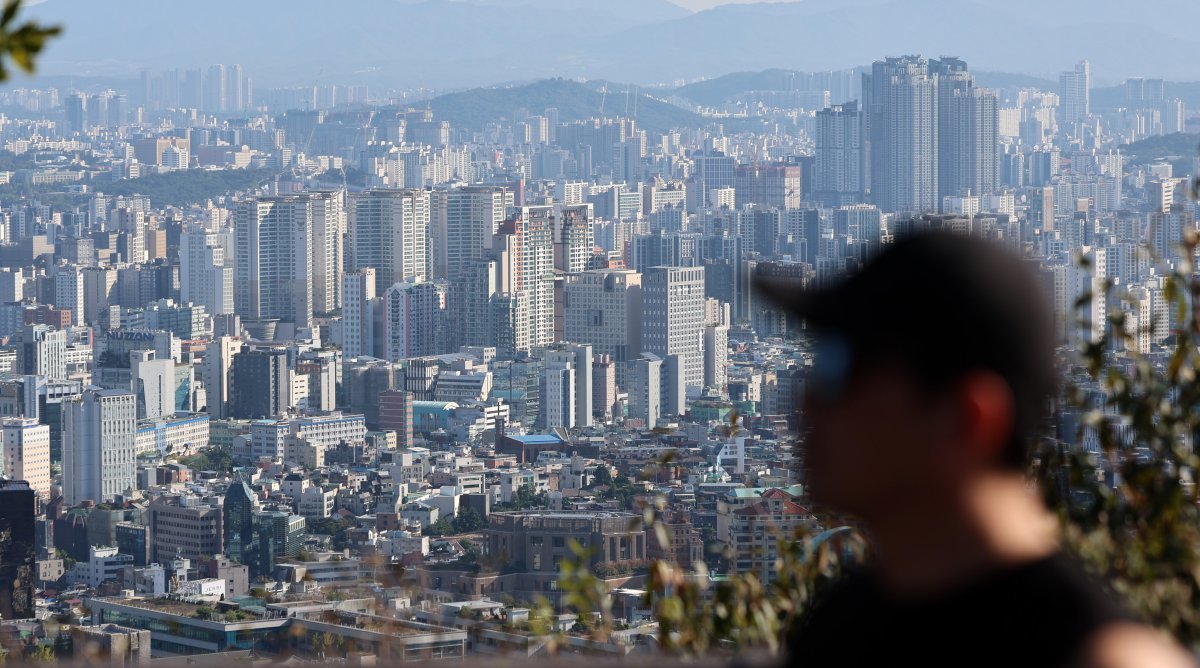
pixel 524 251
pixel 901 109
pixel 205 272
pixel 328 228
pixel 414 319
pixel 274 269
pixel 99 458
pixel 69 293
pixel 389 230
pixel 968 128
pixel 838 177
pixel 462 223
pixel 574 238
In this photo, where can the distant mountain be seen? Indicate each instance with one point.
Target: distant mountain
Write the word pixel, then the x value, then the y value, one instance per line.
pixel 575 101
pixel 720 89
pixel 462 43
pixel 1008 80
pixel 989 34
pixel 716 91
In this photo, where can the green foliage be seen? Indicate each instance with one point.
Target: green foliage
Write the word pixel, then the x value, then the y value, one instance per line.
pixel 469 520
pixel 189 186
pixel 1177 146
pixel 21 43
pixel 524 498
pixel 471 552
pixel 603 476
pixel 1130 513
pixel 218 458
pixel 329 526
pixel 43 656
pixel 442 527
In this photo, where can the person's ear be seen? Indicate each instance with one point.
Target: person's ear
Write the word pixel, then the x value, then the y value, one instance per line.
pixel 988 411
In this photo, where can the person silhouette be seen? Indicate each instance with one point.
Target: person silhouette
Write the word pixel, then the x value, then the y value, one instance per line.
pixel 933 368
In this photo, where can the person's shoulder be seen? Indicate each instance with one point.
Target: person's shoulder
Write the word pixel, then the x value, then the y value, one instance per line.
pixel 1132 645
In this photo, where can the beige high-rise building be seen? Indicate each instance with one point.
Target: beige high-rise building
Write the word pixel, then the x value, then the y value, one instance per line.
pixel 27 453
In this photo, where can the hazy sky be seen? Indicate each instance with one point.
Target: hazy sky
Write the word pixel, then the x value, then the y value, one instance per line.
pixel 697 5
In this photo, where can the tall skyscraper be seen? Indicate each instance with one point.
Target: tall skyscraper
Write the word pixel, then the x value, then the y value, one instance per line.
pixel 901 106
pixel 968 128
pixel 273 263
pixel 838 177
pixel 18 510
pixel 673 319
pixel 389 230
pixel 216 96
pixel 205 272
pixel 99 455
pixel 1075 90
pixel 27 453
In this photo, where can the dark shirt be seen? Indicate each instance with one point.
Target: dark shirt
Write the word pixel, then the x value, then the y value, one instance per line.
pixel 1038 614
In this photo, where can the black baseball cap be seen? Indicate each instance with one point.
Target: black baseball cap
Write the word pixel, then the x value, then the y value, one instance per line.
pixel 945 305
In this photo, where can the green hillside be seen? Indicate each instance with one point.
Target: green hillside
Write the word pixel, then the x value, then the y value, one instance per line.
pixel 717 90
pixel 574 101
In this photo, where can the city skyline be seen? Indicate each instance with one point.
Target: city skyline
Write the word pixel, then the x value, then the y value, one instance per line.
pixel 313 348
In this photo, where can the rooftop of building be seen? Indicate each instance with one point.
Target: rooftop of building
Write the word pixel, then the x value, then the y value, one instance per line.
pixel 537 439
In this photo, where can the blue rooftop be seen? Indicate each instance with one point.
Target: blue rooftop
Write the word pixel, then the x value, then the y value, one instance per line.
pixel 537 439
